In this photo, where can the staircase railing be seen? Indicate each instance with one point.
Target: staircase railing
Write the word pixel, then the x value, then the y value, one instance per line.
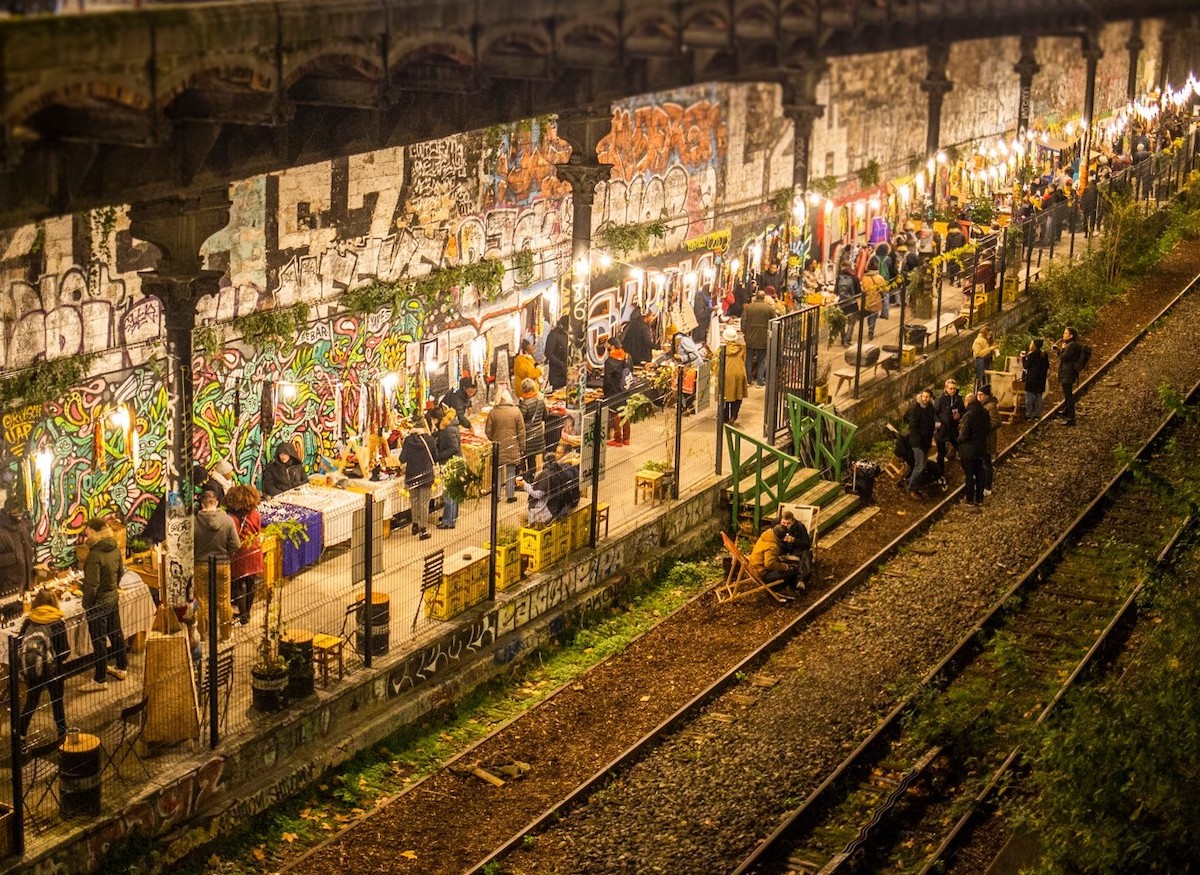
pixel 748 455
pixel 820 439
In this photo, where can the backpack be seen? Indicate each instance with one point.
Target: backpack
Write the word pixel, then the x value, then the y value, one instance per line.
pixel 1085 356
pixel 844 287
pixel 36 655
pixel 564 490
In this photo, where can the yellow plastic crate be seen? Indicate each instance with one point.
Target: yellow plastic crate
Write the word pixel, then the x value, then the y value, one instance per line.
pixel 508 566
pixel 544 546
pixel 580 524
pixel 464 585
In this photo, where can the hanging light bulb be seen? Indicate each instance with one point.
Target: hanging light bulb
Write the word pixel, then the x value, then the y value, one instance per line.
pixel 605 259
pixel 287 391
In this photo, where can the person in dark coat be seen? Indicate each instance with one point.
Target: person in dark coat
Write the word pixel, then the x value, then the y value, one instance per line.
pixel 101 598
pixel 1070 362
pixel 285 471
pixel 702 307
pixel 973 431
pixel 459 400
pixel 992 408
pixel 48 617
pixel 416 455
pixel 16 553
pixel 636 339
pixel 615 366
pixel 947 411
pixel 203 481
pixel 557 351
pixel 920 420
pixel 1037 369
pixel 756 320
pixel 447 445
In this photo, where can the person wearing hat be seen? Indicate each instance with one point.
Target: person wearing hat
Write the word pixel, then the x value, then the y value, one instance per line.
pixel 459 400
pixel 735 374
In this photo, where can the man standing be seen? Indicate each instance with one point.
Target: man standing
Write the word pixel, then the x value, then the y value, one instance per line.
pixel 216 535
pixel 849 295
pixel 702 308
pixel 972 444
pixel 1037 368
pixel 755 321
pixel 920 435
pixel 101 597
pixel 992 408
pixel 556 353
pixel 459 400
pixel 1070 363
pixel 947 411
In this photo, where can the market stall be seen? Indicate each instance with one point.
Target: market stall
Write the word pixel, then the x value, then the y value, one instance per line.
pixel 336 507
pixel 296 557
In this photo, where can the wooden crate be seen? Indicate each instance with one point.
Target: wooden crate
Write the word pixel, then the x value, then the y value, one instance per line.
pixel 508 566
pixel 464 585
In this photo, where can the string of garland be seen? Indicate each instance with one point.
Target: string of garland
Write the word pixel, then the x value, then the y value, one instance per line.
pixel 45 381
pixel 633 237
pixel 436 289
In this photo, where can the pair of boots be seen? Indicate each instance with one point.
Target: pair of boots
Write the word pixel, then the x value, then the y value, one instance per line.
pixel 421 533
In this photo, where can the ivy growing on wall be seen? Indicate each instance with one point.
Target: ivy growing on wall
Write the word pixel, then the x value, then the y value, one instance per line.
pixel 523 265
pixel 45 381
pixel 435 290
pixel 633 237
pixel 209 339
pixel 823 185
pixel 781 201
pixel 273 328
pixel 869 176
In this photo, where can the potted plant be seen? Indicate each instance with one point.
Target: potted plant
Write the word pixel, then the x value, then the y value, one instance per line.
pixel 269 675
pixel 836 320
pixel 140 550
pixel 821 388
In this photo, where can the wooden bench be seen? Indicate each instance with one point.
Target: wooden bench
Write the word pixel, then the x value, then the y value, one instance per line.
pixel 741 581
pixel 936 326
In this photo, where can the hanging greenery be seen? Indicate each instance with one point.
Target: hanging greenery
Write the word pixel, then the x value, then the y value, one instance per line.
pixel 436 290
pixel 633 237
pixel 636 408
pixel 459 482
pixel 870 175
pixel 45 381
pixel 38 246
pixel 277 327
pixel 823 185
pixel 209 339
pixel 105 220
pixel 523 265
pixel 781 201
pixel 982 211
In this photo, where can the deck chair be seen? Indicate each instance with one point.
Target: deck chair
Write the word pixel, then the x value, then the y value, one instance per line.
pixel 39 768
pixel 431 579
pixel 224 688
pixel 124 738
pixel 741 581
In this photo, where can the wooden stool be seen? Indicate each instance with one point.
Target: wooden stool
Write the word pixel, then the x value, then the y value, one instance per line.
pixel 602 518
pixel 647 486
pixel 325 647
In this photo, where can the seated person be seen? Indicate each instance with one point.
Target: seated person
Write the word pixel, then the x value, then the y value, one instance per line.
pixel 797 543
pixel 539 494
pixel 770 561
pixel 564 487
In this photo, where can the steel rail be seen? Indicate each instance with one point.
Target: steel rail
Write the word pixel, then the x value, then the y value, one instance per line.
pixel 814 805
pixel 847 586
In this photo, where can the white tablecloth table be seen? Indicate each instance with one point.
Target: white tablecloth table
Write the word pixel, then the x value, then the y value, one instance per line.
pixel 137 613
pixel 336 506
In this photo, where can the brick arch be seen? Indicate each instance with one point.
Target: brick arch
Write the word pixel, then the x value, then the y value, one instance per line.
pixel 799 8
pixel 360 61
pixel 653 26
pixel 446 50
pixel 711 16
pixel 594 33
pixel 758 12
pixel 247 72
pixel 112 91
pixel 516 41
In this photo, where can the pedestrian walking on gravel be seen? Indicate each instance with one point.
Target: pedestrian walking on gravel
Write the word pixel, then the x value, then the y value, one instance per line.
pixel 920 420
pixel 972 445
pixel 1070 363
pixel 947 411
pixel 988 400
pixel 1037 369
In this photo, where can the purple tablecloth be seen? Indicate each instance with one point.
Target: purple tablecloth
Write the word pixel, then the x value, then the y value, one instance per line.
pixel 296 558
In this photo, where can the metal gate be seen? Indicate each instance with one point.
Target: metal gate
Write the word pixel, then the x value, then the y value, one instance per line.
pixel 792 366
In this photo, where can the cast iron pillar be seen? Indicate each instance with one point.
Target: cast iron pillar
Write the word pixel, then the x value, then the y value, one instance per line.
pixel 178 227
pixel 1135 46
pixel 936 86
pixel 583 129
pixel 1092 54
pixel 801 107
pixel 1026 68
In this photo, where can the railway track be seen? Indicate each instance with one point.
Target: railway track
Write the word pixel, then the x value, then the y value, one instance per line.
pixel 943 752
pixel 743 682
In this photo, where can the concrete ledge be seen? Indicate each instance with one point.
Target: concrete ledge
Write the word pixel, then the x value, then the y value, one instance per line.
pixel 219 792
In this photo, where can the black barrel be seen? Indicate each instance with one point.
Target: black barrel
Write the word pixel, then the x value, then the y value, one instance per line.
pixel 296 649
pixel 379 618
pixel 79 775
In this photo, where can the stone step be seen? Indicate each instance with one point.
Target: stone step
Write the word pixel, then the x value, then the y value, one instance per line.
pixel 834 513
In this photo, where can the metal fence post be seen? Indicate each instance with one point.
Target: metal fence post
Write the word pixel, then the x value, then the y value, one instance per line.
pixel 14 737
pixel 1002 243
pixel 494 522
pixel 974 272
pixel 369 579
pixel 679 373
pixel 862 317
pixel 1030 226
pixel 211 681
pixel 597 437
pixel 720 450
pixel 1053 228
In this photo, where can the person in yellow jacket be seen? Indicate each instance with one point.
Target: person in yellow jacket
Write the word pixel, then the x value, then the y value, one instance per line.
pixel 873 285
pixel 524 367
pixel 768 562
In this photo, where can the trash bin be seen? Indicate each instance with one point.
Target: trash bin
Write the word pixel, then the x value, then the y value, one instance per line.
pixel 861 479
pixel 914 335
